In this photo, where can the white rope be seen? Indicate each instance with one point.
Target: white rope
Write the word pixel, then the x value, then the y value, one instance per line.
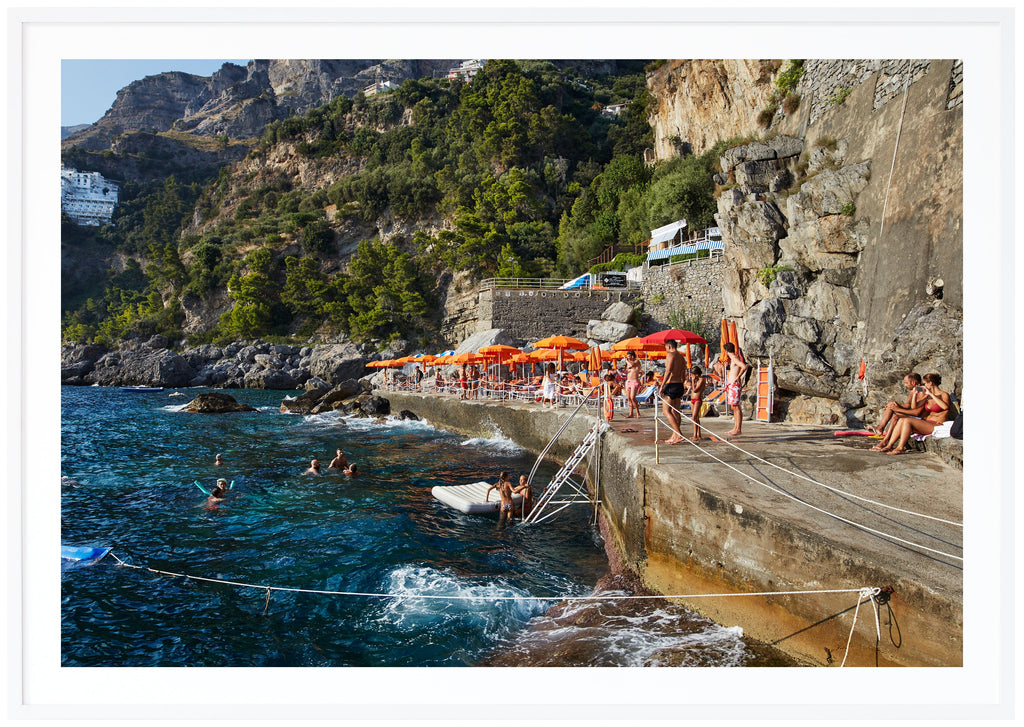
pixel 811 480
pixel 868 593
pixel 814 507
pixel 609 597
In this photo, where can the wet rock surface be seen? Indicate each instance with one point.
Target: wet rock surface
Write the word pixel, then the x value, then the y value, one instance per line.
pixel 630 633
pixel 216 403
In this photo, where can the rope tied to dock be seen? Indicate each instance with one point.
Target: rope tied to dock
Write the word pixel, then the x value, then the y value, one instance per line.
pixel 865 593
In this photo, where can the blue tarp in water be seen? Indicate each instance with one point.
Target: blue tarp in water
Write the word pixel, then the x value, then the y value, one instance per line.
pixel 82 552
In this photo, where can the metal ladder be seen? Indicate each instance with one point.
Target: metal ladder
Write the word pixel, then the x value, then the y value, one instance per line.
pixel 564 476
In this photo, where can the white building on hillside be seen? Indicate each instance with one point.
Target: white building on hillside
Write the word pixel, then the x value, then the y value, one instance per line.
pixel 86 197
pixel 466 70
pixel 379 87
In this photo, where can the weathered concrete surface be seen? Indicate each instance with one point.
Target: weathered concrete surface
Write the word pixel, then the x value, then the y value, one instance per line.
pixel 691 524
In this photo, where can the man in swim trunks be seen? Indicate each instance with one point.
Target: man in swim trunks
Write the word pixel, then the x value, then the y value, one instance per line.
pixel 734 387
pixel 632 384
pixel 696 383
pixel 672 389
pixel 339 462
pixel 463 381
pixel 314 467
pixel 504 488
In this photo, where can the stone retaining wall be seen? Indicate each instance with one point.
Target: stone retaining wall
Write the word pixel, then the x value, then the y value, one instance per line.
pixel 532 314
pixel 824 80
pixel 689 292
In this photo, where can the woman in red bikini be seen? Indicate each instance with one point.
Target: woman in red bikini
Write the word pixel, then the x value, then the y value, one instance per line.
pixel 936 412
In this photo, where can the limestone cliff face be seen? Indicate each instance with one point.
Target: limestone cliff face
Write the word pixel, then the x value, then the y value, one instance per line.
pixel 830 259
pixel 700 102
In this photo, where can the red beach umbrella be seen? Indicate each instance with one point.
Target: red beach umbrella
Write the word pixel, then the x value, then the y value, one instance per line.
pixel 673 334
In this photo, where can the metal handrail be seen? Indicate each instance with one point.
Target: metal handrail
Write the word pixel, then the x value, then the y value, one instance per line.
pixel 547 284
pixel 550 444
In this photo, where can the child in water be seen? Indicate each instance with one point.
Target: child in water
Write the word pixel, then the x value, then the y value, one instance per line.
pixel 219 493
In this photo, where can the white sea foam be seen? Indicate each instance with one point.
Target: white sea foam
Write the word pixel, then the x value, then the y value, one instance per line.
pixel 390 423
pixel 174 407
pixel 497 441
pixel 661 636
pixel 493 606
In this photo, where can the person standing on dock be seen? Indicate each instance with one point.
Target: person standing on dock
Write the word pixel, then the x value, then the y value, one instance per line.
pixel 632 384
pixel 672 389
pixel 734 387
pixel 696 383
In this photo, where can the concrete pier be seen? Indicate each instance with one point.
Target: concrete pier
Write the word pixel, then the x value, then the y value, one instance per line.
pixel 718 520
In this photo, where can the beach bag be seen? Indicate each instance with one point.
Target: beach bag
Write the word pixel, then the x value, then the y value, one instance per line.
pixel 957 430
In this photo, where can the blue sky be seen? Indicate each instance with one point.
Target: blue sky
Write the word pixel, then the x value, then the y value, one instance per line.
pixel 88 87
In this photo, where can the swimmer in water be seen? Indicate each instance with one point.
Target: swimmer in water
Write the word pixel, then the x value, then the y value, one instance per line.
pixel 339 462
pixel 523 488
pixel 351 471
pixel 504 488
pixel 314 467
pixel 218 460
pixel 220 492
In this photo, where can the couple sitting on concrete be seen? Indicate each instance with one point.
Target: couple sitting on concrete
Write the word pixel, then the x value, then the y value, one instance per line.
pixel 927 411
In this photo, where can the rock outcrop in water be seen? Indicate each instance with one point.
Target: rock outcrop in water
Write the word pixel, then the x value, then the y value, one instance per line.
pixel 349 397
pixel 216 403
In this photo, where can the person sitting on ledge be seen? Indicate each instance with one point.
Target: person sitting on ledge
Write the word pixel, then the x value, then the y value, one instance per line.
pixel 937 409
pixel 912 407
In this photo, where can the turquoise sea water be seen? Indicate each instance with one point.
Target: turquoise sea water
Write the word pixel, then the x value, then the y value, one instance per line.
pixel 128 464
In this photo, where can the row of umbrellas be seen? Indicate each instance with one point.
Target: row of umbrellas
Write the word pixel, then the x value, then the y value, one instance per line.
pixel 560 349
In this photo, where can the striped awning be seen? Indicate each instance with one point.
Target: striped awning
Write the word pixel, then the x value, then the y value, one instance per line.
pixel 684 250
pixel 667 232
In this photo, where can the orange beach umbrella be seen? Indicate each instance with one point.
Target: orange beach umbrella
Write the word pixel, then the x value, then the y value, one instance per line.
pixel 561 343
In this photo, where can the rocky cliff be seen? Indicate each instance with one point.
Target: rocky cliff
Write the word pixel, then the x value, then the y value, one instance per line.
pixel 843 229
pixel 701 102
pixel 239 102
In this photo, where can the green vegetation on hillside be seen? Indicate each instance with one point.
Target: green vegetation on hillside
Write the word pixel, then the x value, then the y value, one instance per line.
pixel 528 175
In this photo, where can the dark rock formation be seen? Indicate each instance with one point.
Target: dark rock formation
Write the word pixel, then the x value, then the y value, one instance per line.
pixel 376 406
pixel 303 404
pixel 216 403
pixel 349 397
pixel 77 361
pixel 141 367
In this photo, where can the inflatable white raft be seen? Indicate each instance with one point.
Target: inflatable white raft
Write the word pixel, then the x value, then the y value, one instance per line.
pixel 470 498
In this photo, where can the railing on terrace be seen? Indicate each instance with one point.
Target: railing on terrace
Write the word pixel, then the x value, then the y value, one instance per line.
pixel 548 284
